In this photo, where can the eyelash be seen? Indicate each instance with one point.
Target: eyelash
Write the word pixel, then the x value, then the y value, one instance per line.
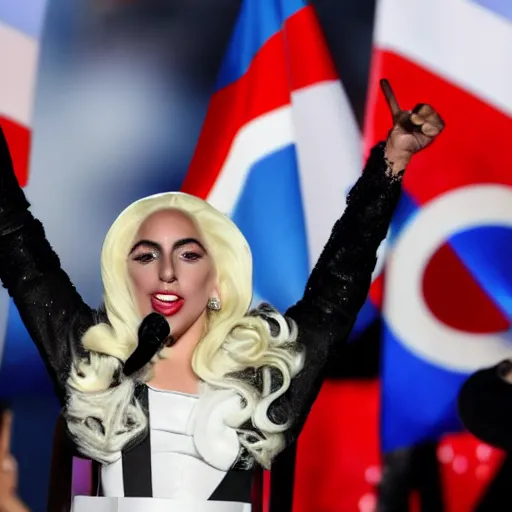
pixel 148 257
pixel 191 256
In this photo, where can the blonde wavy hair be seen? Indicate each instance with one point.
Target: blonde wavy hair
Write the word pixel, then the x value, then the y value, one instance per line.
pixel 234 341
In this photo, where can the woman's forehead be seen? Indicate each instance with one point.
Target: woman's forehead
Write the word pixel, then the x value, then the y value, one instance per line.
pixel 168 223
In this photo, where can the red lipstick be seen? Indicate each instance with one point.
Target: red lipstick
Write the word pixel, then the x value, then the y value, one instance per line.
pixel 166 303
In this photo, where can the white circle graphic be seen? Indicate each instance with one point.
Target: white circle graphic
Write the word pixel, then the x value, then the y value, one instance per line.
pixel 405 310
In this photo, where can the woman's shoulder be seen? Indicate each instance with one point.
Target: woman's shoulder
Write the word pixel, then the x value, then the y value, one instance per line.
pixel 281 327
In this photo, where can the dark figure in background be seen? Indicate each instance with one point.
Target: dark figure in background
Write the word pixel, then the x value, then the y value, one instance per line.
pixel 485 409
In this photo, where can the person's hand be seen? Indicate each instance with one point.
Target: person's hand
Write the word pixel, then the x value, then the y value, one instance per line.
pixel 413 130
pixel 9 502
pixel 13 504
pixel 8 469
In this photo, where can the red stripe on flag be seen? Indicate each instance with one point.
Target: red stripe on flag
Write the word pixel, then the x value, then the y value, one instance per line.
pixel 339 461
pixel 309 57
pixel 273 74
pixel 338 449
pixel 18 139
pixel 467 152
pixel 377 291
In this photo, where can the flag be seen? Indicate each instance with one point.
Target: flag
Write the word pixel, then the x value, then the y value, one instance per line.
pixel 448 285
pixel 21 25
pixel 20 30
pixel 279 147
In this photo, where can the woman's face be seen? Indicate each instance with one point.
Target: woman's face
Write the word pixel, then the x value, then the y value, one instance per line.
pixel 171 271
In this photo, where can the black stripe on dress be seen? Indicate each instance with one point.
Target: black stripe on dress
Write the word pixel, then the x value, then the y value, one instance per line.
pixel 137 479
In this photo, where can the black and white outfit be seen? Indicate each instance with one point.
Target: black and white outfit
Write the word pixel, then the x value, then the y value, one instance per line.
pixel 189 461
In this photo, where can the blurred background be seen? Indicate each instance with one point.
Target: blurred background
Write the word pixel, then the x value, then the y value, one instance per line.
pixel 106 102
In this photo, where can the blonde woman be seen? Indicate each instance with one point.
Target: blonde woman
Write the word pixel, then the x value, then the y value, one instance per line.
pixel 182 431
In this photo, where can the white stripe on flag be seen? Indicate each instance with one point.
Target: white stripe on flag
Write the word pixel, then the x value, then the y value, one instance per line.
pixel 406 310
pixel 18 62
pixel 460 40
pixel 257 139
pixel 329 151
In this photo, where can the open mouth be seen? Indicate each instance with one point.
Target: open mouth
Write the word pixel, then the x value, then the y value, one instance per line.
pixel 167 304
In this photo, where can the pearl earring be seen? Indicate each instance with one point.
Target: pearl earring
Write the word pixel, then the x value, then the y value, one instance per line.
pixel 214 304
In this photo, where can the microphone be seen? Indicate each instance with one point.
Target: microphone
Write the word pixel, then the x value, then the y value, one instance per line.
pixel 154 334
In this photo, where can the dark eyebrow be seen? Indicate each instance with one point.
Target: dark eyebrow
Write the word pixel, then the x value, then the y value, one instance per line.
pixel 188 241
pixel 147 243
pixel 177 244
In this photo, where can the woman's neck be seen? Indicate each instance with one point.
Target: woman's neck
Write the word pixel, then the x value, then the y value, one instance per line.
pixel 175 373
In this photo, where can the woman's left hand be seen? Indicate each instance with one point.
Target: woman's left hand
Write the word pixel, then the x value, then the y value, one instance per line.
pixel 413 130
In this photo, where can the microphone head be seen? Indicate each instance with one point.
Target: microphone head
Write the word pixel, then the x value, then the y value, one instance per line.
pixel 153 331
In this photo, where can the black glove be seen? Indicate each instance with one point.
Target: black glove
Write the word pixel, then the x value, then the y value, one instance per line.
pixel 154 334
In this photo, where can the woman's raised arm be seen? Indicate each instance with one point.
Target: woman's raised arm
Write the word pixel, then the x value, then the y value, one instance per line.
pixel 51 309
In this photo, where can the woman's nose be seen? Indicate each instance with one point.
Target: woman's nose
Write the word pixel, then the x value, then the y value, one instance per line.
pixel 167 274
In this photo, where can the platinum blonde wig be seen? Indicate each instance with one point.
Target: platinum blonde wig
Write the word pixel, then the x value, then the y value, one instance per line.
pixel 234 345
